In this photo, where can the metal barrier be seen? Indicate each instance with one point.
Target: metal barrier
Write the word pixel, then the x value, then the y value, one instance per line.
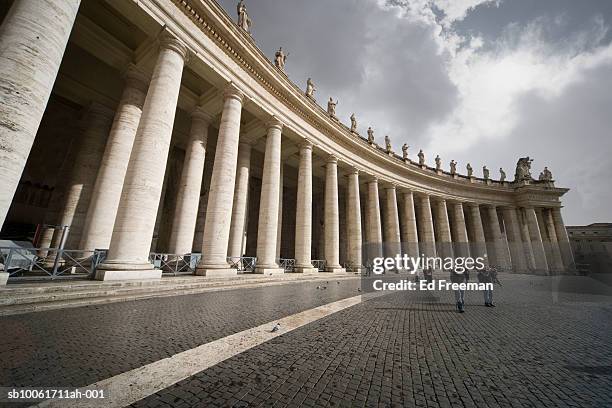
pixel 176 264
pixel 25 263
pixel 287 264
pixel 243 263
pixel 319 264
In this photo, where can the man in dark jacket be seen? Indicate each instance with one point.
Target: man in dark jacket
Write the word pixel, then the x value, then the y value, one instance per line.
pixel 488 275
pixel 460 277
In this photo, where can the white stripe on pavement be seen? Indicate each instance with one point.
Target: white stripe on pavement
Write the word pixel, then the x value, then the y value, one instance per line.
pixel 134 385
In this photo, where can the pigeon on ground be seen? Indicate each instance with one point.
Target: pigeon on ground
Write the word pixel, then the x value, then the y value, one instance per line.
pixel 318 287
pixel 338 283
pixel 275 328
pixel 358 289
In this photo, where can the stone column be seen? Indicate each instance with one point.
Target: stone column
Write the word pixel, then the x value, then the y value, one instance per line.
pixel 188 197
pixel 557 261
pixel 513 233
pixel 564 242
pixel 279 229
pixel 498 244
pixel 219 208
pixel 96 125
pixel 410 236
pixel 443 233
pixel 332 217
pixel 527 248
pixel 33 37
pixel 374 231
pixel 460 236
pixel 478 247
pixel 353 214
pixel 548 248
pixel 392 229
pixel 128 255
pixel 427 241
pixel 303 212
pixel 106 194
pixel 240 208
pixel 539 254
pixel 268 206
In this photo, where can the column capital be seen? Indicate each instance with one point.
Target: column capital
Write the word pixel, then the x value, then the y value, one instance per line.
pixel 274 123
pixel 231 91
pixel 471 204
pixel 200 113
pixel 370 178
pixel 169 42
pixel 390 186
pixel 135 77
pixel 353 170
pixel 331 159
pixel 305 144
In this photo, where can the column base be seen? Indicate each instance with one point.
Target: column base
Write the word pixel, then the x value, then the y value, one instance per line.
pixel 3 278
pixel 115 275
pixel 335 269
pixel 305 270
pixel 269 271
pixel 216 272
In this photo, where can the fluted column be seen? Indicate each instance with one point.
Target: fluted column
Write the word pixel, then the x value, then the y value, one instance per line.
pixel 303 212
pixel 498 244
pixel 443 232
pixel 33 37
pixel 539 254
pixel 460 236
pixel 106 193
pixel 427 240
pixel 392 229
pixel 279 229
pixel 478 246
pixel 410 236
pixel 188 197
pixel 128 255
pixel 526 237
pixel 557 261
pixel 268 205
pixel 332 217
pixel 548 248
pixel 564 242
pixel 353 214
pixel 374 231
pixel 515 242
pixel 96 125
pixel 217 226
pixel 240 208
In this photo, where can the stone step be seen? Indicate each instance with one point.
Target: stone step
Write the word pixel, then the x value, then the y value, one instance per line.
pixel 82 295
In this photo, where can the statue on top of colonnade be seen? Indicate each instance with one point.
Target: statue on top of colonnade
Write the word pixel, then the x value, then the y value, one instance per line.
pixel 331 107
pixel 421 156
pixel 485 172
pixel 438 161
pixel 370 135
pixel 280 58
pixel 388 148
pixel 310 88
pixel 502 175
pixel 523 169
pixel 545 175
pixel 353 123
pixel 453 167
pixel 470 170
pixel 405 151
pixel 244 21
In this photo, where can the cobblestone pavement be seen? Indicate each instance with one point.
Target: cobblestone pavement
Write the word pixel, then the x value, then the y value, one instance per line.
pixel 538 347
pixel 77 347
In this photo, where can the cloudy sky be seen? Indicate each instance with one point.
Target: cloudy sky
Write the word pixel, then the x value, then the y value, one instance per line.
pixel 479 81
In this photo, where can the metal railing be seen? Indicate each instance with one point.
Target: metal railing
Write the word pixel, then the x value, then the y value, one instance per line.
pixel 26 263
pixel 176 264
pixel 287 264
pixel 319 264
pixel 243 263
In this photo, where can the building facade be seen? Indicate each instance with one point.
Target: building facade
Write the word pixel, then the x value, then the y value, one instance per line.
pixel 158 125
pixel 592 246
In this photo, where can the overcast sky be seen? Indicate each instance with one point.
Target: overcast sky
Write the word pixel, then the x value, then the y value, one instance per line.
pixel 477 81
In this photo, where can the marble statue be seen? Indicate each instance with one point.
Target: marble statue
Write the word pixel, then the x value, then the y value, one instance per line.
pixel 485 172
pixel 453 167
pixel 280 58
pixel 405 151
pixel 331 107
pixel 370 135
pixel 244 21
pixel 470 171
pixel 387 144
pixel 523 169
pixel 502 175
pixel 438 162
pixel 353 123
pixel 421 157
pixel 545 175
pixel 310 88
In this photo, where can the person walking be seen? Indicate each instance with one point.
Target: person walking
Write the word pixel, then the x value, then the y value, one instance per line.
pixel 460 277
pixel 488 275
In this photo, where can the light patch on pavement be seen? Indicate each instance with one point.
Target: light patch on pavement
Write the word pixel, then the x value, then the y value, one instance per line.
pixel 134 385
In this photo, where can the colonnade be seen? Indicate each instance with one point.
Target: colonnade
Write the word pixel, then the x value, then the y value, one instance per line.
pixel 120 166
